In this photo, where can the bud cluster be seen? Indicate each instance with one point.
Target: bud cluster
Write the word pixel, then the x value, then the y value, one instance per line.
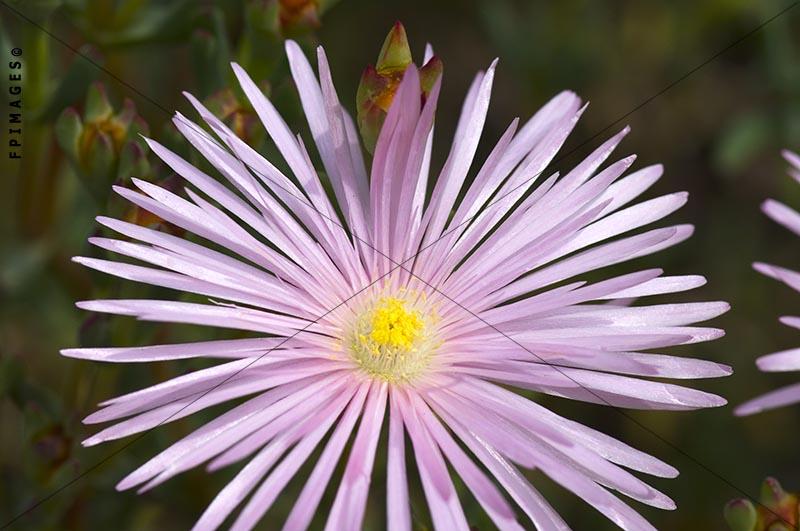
pixel 102 144
pixel 778 510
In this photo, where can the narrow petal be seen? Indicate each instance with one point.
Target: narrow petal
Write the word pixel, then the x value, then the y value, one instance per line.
pixel 351 498
pixel 309 498
pixel 398 513
pixel 782 214
pixel 786 360
pixel 268 491
pixel 442 499
pixel 226 348
pixel 484 491
pixel 787 276
pixel 781 397
pixel 542 515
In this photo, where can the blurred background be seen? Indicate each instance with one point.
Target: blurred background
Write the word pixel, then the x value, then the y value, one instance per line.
pixel 718 132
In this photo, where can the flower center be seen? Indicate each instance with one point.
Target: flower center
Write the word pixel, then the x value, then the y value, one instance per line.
pixel 393 326
pixel 392 340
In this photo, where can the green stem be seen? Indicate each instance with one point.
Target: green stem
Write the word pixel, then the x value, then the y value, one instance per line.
pixel 36 186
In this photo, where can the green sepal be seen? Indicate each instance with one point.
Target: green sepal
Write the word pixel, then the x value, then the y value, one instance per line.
pixel 772 493
pixel 99 161
pixel 370 115
pixel 429 74
pixel 98 108
pixel 395 54
pixel 68 130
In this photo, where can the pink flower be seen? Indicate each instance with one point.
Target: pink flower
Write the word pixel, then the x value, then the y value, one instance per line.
pixel 786 360
pixel 457 298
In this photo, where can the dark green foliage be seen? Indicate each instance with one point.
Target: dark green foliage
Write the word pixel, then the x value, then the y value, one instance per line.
pixel 718 132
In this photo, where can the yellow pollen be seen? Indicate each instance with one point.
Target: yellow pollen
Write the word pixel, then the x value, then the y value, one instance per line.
pixel 392 339
pixel 394 326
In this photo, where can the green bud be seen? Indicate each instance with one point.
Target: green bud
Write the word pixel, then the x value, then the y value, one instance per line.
pixel 105 146
pixel 741 515
pixel 126 116
pixel 777 510
pixel 370 114
pixel 379 83
pixel 395 54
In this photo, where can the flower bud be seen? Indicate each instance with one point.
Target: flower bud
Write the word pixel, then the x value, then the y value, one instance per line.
pixel 776 511
pixel 300 15
pixel 741 515
pixel 379 83
pixel 98 145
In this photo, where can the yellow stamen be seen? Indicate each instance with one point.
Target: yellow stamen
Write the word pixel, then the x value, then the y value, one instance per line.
pixel 393 325
pixel 392 339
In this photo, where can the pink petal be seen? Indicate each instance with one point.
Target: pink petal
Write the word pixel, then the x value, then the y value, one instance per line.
pixel 535 506
pixel 660 286
pixel 481 487
pixel 468 133
pixel 398 515
pixel 274 484
pixel 308 501
pixel 443 503
pixel 351 498
pixel 226 348
pixel 787 276
pixel 787 360
pixel 782 214
pixel 781 397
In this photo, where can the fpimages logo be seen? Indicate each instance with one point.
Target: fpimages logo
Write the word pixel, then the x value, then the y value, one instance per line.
pixel 15 105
